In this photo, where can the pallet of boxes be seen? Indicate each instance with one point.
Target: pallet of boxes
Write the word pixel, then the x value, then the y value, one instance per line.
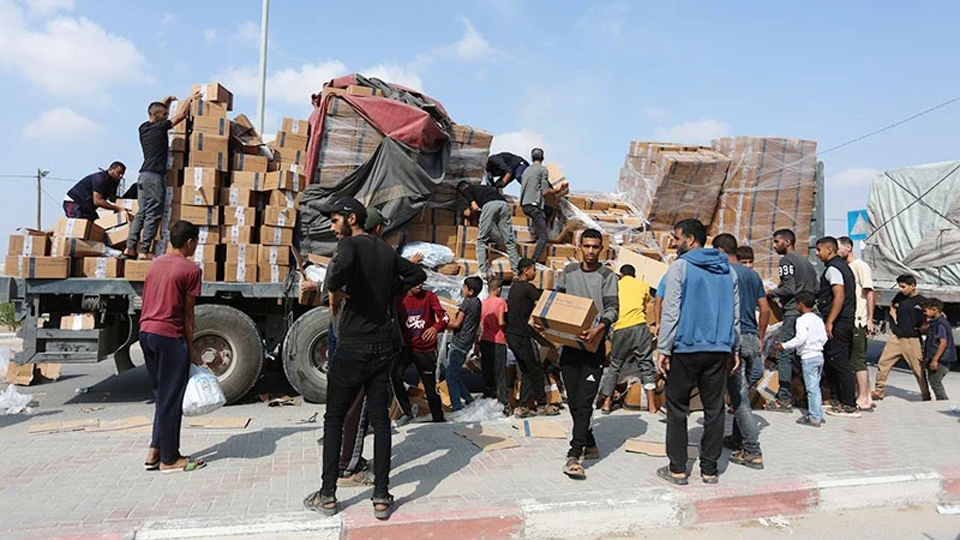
pixel 241 194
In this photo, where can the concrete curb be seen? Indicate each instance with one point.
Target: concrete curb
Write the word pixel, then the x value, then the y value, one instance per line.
pixel 561 517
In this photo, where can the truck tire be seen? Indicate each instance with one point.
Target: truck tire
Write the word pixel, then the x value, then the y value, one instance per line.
pixel 230 345
pixel 305 355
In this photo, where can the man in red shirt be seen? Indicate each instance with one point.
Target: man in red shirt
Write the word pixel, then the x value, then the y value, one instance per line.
pixel 421 318
pixel 166 337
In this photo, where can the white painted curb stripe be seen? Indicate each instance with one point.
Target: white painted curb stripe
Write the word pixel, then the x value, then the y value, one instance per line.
pixel 321 528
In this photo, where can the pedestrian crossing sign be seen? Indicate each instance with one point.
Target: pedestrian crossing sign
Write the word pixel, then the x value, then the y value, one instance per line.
pixel 858 224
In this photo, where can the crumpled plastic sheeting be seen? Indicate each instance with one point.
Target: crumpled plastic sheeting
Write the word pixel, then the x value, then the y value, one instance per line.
pixel 13 402
pixel 481 410
pixel 434 255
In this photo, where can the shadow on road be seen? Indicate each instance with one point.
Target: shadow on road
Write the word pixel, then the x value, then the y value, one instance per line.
pixel 8 420
pixel 253 445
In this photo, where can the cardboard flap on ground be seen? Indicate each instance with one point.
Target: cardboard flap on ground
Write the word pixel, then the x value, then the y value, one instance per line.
pixel 487 439
pixel 541 429
pixel 656 449
pixel 218 423
pixel 648 269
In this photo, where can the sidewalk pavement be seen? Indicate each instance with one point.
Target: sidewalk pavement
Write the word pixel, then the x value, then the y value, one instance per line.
pixel 92 485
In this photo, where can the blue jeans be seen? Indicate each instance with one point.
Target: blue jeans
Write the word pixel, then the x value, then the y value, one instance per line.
pixel 457 388
pixel 812 370
pixel 745 428
pixel 751 358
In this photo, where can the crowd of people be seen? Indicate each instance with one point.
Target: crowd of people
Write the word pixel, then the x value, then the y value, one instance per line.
pixel 709 322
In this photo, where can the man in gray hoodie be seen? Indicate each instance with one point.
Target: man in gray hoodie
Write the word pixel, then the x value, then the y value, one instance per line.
pixel 698 343
pixel 582 369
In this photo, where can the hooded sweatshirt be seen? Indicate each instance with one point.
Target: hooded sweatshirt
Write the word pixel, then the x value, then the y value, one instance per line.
pixel 701 305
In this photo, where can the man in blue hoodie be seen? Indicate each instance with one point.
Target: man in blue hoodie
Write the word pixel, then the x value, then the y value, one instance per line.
pixel 698 342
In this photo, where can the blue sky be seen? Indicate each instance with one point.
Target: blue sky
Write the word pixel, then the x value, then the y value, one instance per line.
pixel 581 79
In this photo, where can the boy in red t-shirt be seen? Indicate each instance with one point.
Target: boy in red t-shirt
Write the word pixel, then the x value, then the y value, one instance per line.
pixel 493 344
pixel 166 337
pixel 421 318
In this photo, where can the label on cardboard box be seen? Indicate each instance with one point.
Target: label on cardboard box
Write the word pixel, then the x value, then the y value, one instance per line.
pixel 205 253
pixel 297 127
pixel 279 216
pixel 286 199
pixel 78 321
pixel 242 273
pixel 272 273
pixel 564 317
pixel 276 236
pixel 274 255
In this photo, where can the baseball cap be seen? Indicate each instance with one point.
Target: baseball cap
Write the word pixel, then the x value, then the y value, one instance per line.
pixel 374 218
pixel 524 263
pixel 344 206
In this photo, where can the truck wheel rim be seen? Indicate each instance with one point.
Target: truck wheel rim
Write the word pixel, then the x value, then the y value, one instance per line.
pixel 216 351
pixel 318 353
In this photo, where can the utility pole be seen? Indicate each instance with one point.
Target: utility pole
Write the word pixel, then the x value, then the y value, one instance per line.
pixel 261 101
pixel 40 175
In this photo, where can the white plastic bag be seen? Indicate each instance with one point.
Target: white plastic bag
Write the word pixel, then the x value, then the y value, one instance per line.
pixel 203 394
pixel 14 402
pixel 434 255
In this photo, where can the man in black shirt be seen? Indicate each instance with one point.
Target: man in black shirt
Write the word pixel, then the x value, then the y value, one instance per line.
pixel 364 279
pixel 494 213
pixel 97 190
pixel 906 315
pixel 837 303
pixel 520 303
pixel 151 183
pixel 504 167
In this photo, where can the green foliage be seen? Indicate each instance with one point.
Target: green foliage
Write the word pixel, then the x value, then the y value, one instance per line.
pixel 8 317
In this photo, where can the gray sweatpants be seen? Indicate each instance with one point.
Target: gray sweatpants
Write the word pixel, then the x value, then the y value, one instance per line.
pixel 151 194
pixel 633 343
pixel 496 214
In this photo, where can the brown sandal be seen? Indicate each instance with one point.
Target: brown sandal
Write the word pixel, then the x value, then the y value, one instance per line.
pixel 574 469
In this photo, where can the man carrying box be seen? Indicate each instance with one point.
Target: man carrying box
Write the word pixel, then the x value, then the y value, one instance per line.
pixel 97 190
pixel 150 184
pixel 582 369
pixel 494 213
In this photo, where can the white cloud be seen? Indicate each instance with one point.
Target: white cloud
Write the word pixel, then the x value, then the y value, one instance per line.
pixel 248 31
pixel 394 73
pixel 472 46
pixel 699 131
pixel 168 18
pixel 854 177
pixel 294 86
pixel 69 56
pixel 61 124
pixel 209 35
pixel 46 8
pixel 519 143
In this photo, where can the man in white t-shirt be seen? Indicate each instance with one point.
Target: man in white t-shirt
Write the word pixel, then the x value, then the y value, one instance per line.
pixel 863 324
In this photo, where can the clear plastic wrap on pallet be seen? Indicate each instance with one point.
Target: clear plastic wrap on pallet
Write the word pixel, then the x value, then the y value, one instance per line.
pixel 613 214
pixel 434 255
pixel 771 185
pixel 348 142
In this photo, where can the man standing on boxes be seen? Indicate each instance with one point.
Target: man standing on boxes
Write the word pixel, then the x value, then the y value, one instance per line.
pixel 494 214
pixel 581 369
pixel 97 190
pixel 698 343
pixel 863 326
pixel 796 275
pixel 837 304
pixel 151 185
pixel 503 168
pixel 536 185
pixel 364 280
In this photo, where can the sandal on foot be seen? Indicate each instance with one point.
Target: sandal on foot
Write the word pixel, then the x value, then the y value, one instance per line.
pixel 805 420
pixel 707 479
pixel 548 410
pixel 383 513
pixel 190 466
pixel 591 452
pixel 154 466
pixel 574 469
pixel 747 460
pixel 664 472
pixel 776 406
pixel 523 412
pixel 325 504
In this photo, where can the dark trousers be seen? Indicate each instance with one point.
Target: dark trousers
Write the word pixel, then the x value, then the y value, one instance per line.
pixel 935 378
pixel 73 210
pixel 357 367
pixel 839 370
pixel 151 197
pixel 355 426
pixel 493 364
pixel 426 364
pixel 707 372
pixel 581 372
pixel 539 228
pixel 531 370
pixel 168 366
pixel 786 359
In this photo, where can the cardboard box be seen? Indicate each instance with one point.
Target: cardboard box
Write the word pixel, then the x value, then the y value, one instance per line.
pixel 211 126
pixel 288 199
pixel 78 321
pixel 438 216
pixel 276 236
pixel 289 156
pixel 296 127
pixel 292 141
pixel 236 234
pixel 452 269
pixel 76 247
pixel 440 234
pixel 109 219
pixel 78 228
pixel 250 181
pixel 198 215
pixel 208 271
pixel 44 267
pixel 214 92
pixel 559 263
pixel 215 159
pixel 274 255
pixel 241 254
pixel 205 253
pixel 238 196
pixel 544 279
pixel 209 235
pixel 523 235
pixel 136 271
pixel 205 196
pixel 207 108
pixel 176 160
pixel 449 306
pixel 11 266
pixel 244 216
pixel 102 267
pixel 249 163
pixel 272 273
pixel 129 204
pixel 564 317
pixel 242 273
pixel 560 250
pixel 648 269
pixel 280 216
pixel 203 178
pixel 30 243
pixel 201 142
